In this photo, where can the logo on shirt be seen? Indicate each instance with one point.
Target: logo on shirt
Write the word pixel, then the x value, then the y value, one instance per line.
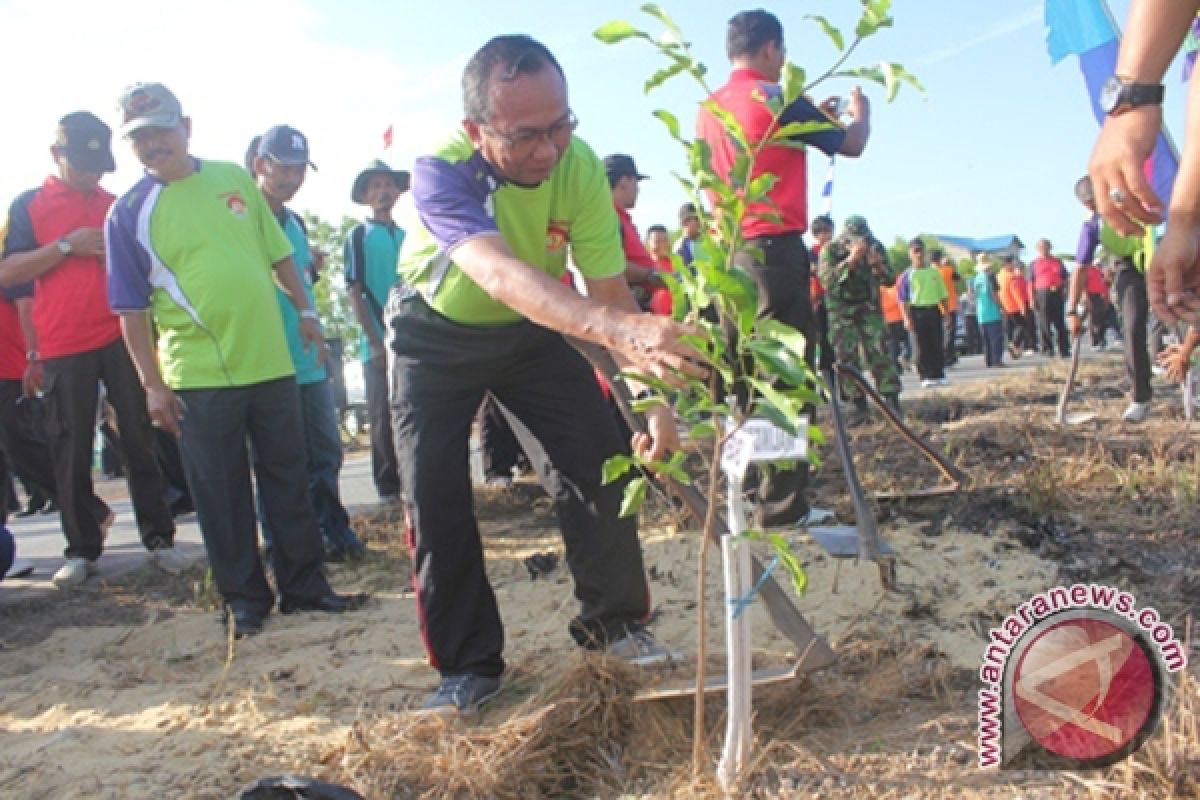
pixel 235 203
pixel 556 235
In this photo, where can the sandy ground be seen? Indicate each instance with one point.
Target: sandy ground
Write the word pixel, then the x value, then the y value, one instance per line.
pixel 164 708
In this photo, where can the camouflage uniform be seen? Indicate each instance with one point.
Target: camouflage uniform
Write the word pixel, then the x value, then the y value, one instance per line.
pixel 855 318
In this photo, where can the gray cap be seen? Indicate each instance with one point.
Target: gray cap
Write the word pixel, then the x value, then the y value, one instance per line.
pixel 149 105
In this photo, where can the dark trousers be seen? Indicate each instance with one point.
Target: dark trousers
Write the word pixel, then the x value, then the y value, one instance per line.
pixel 993 343
pixel 23 441
pixel 1131 297
pixel 1019 332
pixel 1052 323
pixel 950 333
pixel 780 268
pixel 927 325
pixel 323 466
pixel 1098 317
pixel 72 394
pixel 441 372
pixel 499 448
pixel 217 425
pixel 898 344
pixel 384 468
pixel 975 334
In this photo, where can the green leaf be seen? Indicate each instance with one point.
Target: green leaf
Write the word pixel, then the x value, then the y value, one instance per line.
pixel 759 187
pixel 617 30
pixel 872 74
pixel 671 121
pixel 796 129
pixel 703 430
pixel 833 33
pixel 785 334
pixel 730 123
pixel 656 11
pixel 791 564
pixel 791 83
pixel 615 467
pixel 816 435
pixel 780 361
pixel 775 405
pixel 635 495
pixel 645 404
pixel 663 75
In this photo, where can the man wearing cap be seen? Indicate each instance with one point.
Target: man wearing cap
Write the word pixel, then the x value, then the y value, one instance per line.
pixel 495 213
pixel 55 242
pixel 280 166
pixel 194 254
pixel 372 253
pixel 689 222
pixel 775 253
pixel 852 280
pixel 640 267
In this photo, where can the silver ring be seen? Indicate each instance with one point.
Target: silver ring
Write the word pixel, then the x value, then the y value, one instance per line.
pixel 1116 195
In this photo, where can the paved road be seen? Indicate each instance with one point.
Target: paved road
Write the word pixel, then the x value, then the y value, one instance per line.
pixel 40 540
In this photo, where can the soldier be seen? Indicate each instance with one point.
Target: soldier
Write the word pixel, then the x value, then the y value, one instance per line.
pixel 852 272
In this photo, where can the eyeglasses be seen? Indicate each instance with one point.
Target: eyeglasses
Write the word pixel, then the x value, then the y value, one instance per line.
pixel 524 140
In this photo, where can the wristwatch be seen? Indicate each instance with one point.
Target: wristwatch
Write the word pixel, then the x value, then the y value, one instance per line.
pixel 308 313
pixel 31 355
pixel 64 247
pixel 1119 95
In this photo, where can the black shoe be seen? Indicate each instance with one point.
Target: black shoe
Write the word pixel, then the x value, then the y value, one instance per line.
pixel 245 622
pixel 461 693
pixel 331 603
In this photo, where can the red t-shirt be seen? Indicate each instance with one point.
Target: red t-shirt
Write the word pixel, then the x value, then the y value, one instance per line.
pixel 70 302
pixel 1047 273
pixel 635 249
pixel 1095 280
pixel 12 342
pixel 744 97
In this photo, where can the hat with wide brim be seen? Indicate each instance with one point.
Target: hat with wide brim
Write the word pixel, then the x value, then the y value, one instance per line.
pixel 358 193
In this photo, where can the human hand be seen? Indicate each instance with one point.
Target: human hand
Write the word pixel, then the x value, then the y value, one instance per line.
pixel 1173 277
pixel 858 107
pixel 86 242
pixel 313 337
pixel 1074 324
pixel 1175 362
pixel 652 345
pixel 1126 141
pixel 661 438
pixel 33 379
pixel 858 249
pixel 166 410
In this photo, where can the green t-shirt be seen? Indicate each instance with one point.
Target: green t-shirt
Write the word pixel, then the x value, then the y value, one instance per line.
pixel 457 196
pixel 199 254
pixel 926 287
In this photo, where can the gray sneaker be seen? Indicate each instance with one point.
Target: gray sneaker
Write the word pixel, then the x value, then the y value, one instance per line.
pixel 74 572
pixel 461 693
pixel 643 650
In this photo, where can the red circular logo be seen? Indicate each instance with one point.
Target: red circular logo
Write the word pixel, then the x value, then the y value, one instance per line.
pixel 1084 689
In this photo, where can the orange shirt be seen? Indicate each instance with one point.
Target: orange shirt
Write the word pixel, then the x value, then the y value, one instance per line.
pixel 948 273
pixel 890 305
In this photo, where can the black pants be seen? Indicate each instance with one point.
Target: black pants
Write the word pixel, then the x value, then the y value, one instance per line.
pixel 898 344
pixel 781 270
pixel 217 425
pixel 71 390
pixel 384 468
pixel 500 451
pixel 974 334
pixel 440 374
pixel 927 325
pixel 1052 323
pixel 1098 317
pixel 1131 297
pixel 950 333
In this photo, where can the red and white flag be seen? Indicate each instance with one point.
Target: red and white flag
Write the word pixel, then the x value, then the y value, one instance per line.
pixel 387 138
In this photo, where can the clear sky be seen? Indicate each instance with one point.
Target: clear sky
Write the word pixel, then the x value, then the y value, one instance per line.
pixel 994 147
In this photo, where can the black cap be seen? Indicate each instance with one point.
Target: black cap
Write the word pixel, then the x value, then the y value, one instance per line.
pixel 86 142
pixel 619 165
pixel 688 211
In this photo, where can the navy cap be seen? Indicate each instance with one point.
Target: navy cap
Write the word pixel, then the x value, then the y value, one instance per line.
pixel 619 165
pixel 86 142
pixel 285 145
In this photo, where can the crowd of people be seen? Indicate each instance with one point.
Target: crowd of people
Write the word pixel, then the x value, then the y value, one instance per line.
pixel 188 301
